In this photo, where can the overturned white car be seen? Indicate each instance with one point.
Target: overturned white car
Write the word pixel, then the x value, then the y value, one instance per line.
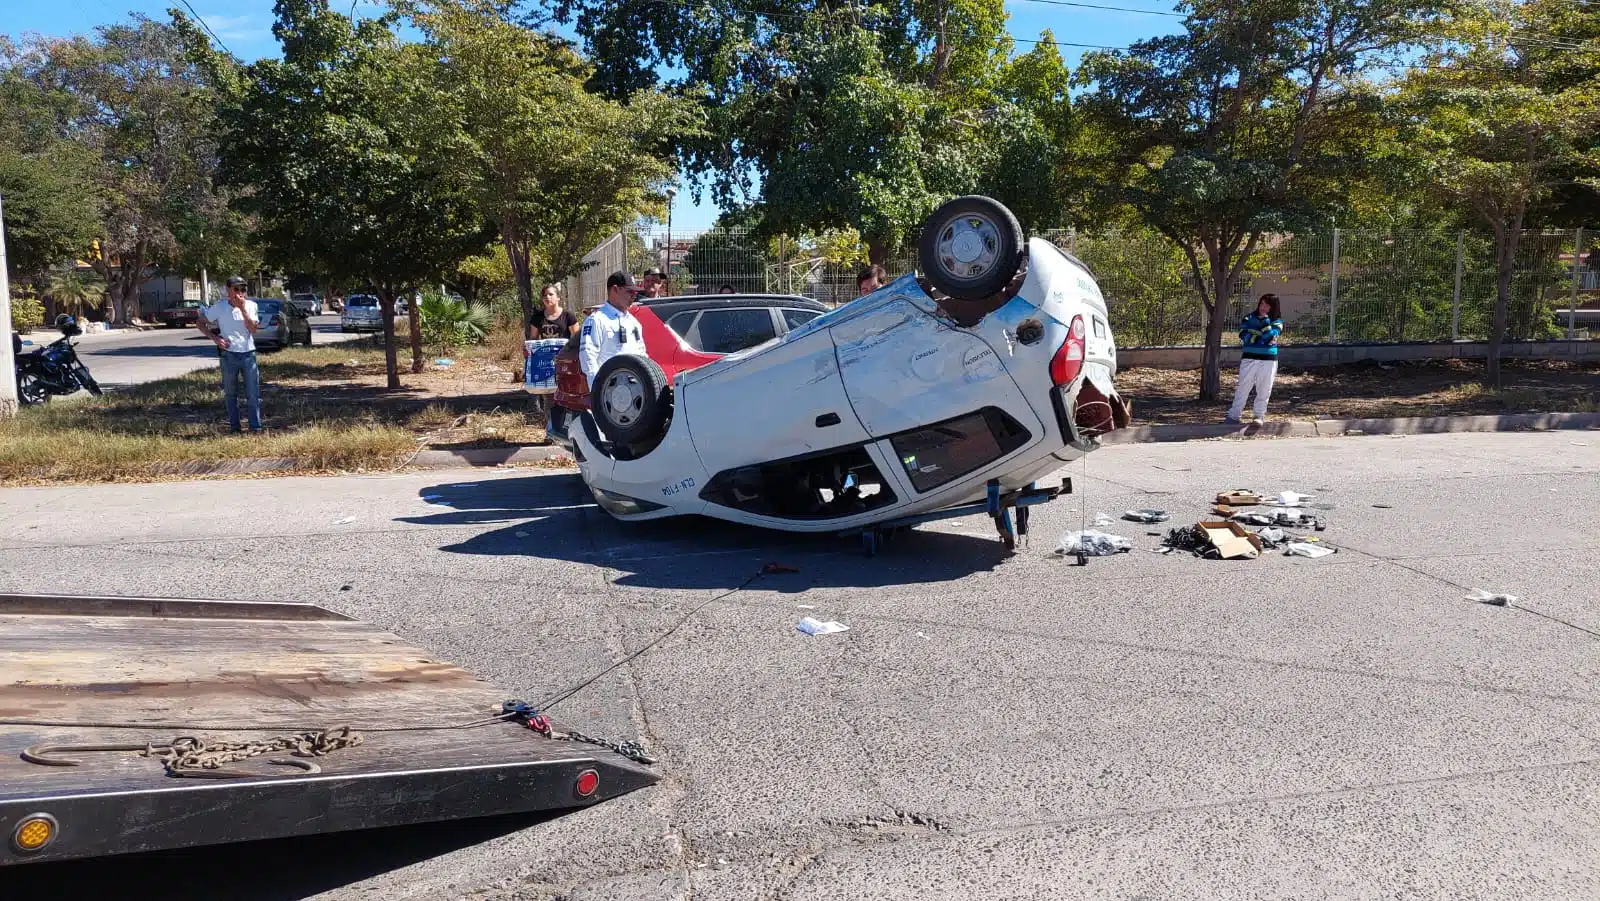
pixel 945 394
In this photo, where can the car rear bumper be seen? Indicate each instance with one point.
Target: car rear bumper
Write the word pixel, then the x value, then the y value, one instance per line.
pixel 1089 407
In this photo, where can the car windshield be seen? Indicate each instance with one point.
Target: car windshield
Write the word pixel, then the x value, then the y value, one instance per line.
pixel 362 300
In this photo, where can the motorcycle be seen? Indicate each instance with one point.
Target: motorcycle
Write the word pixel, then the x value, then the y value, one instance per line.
pixel 54 369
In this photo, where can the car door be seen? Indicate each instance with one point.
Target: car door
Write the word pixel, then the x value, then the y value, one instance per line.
pixel 938 393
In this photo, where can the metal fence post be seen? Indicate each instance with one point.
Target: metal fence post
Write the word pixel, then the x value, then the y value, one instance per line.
pixel 1577 276
pixel 1455 305
pixel 1333 290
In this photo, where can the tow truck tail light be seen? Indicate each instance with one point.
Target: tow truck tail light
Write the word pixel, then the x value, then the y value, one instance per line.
pixel 588 782
pixel 1067 362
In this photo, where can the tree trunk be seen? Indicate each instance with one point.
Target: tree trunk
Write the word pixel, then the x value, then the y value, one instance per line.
pixel 390 358
pixel 1211 355
pixel 1506 254
pixel 415 320
pixel 517 253
pixel 877 251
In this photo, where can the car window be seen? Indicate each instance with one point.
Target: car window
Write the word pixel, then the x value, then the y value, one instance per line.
pixel 797 318
pixel 730 331
pixel 268 306
pixel 682 322
pixel 363 301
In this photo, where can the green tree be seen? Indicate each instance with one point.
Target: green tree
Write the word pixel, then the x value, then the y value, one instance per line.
pixel 345 153
pixel 448 323
pixel 1243 124
pixel 53 206
pixel 1495 119
pixel 555 167
pixel 74 291
pixel 146 109
pixel 861 115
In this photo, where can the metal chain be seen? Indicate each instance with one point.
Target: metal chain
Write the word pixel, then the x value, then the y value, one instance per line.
pixel 194 756
pixel 631 749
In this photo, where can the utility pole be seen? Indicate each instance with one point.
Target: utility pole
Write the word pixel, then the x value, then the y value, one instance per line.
pixel 8 357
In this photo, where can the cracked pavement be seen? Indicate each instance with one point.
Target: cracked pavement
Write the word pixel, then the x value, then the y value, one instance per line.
pixel 1146 726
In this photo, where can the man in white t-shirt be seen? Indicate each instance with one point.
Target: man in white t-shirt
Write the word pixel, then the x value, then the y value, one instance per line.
pixel 611 329
pixel 231 324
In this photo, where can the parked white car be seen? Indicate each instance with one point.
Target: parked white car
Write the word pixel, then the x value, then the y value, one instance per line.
pixel 362 313
pixel 966 386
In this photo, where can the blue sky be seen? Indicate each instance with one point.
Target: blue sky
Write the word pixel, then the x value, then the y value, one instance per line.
pixel 245 26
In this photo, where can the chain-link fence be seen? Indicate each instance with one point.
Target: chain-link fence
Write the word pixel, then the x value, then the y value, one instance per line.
pixel 1342 285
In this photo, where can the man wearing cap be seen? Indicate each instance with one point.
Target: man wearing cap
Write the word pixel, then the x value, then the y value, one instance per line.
pixel 611 329
pixel 235 322
pixel 655 283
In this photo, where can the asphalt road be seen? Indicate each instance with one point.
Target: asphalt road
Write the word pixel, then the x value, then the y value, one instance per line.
pixel 1144 727
pixel 122 358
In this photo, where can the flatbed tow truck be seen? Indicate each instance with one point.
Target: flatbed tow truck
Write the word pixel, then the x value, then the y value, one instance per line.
pixel 139 724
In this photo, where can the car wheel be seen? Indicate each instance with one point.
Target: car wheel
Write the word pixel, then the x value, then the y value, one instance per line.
pixel 308 336
pixel 971 248
pixel 629 399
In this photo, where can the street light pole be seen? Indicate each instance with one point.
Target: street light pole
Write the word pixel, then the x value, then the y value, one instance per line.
pixel 8 357
pixel 672 194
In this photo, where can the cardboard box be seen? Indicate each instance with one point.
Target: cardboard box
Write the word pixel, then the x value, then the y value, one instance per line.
pixel 1238 497
pixel 1231 540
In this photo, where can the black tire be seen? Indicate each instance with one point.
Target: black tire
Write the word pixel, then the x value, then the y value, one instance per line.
pixel 30 391
pixel 629 399
pixel 971 248
pixel 308 336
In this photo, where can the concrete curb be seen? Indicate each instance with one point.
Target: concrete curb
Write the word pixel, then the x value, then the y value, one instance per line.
pixel 1325 428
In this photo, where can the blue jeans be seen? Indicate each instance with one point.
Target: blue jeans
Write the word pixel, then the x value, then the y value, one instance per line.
pixel 235 365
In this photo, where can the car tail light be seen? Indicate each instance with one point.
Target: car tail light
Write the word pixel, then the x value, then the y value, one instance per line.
pixel 1067 362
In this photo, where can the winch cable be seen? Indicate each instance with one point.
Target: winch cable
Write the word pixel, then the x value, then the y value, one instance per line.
pixel 566 693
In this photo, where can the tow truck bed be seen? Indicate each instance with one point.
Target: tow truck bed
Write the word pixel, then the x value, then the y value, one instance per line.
pixel 258 670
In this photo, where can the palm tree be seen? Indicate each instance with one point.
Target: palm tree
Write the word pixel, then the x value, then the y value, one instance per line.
pixel 448 323
pixel 73 290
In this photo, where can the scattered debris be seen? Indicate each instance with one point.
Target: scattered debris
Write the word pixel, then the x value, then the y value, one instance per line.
pixel 772 568
pixel 1301 549
pixel 805 606
pixel 346 587
pixel 1103 519
pixel 1091 543
pixel 1163 549
pixel 1492 598
pixel 1238 497
pixel 1188 538
pixel 817 627
pixel 1291 499
pixel 1279 517
pixel 1230 540
pixel 1145 516
pixel 443 363
pixel 1155 532
pixel 1174 469
pixel 344 522
pixel 1271 538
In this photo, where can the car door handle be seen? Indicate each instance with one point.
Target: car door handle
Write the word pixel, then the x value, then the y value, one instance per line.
pixel 827 419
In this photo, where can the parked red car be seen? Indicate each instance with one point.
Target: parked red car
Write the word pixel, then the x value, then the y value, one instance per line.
pixel 184 313
pixel 681 333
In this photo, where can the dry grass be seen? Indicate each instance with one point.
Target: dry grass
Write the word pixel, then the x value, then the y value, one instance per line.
pixel 325 407
pixel 1370 390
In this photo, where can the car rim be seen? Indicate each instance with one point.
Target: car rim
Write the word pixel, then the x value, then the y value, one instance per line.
pixel 623 394
pixel 969 246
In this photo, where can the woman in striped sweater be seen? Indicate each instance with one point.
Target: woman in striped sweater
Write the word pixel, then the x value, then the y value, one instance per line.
pixel 1258 360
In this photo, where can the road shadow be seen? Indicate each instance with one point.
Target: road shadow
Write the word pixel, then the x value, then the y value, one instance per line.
pixel 273 870
pixel 201 349
pixel 553 517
